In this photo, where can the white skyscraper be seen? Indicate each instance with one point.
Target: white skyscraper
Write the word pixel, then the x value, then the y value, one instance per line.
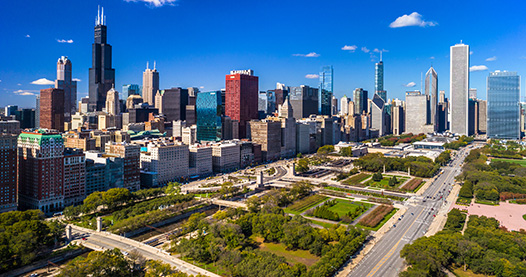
pixel 344 104
pixel 459 88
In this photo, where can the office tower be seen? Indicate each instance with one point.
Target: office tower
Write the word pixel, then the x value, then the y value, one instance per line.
pixel 334 106
pixel 133 100
pixel 26 118
pixel 8 172
pixel 379 80
pixel 112 102
pixel 288 130
pixel 131 89
pixel 52 109
pixel 131 155
pixel 170 160
pixel 482 110
pixel 241 98
pixel 37 112
pixel 168 101
pixel 225 157
pixel 360 100
pixel 74 176
pixel 103 171
pixel 208 105
pixel 503 105
pixel 150 85
pixel 326 89
pixel 281 92
pixel 263 104
pixel 200 162
pixel 65 82
pixel 442 97
pixel 268 134
pixel 344 104
pixel 41 171
pixel 397 117
pixel 431 91
pixel 458 87
pixel 101 75
pixel 142 113
pixel 416 105
pixel 304 101
pixel 472 93
pixel 10 126
pixel 190 108
pixel 10 110
pixel 378 115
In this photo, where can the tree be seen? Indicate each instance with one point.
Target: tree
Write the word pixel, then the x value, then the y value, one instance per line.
pixel 302 165
pixel 173 188
pixel 108 263
pixel 377 177
pixel 393 181
pixel 326 149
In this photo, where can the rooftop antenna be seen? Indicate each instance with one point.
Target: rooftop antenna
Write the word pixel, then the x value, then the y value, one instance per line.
pixel 98 16
pixel 154 65
pixel 421 81
pixel 147 65
pixel 102 17
pixel 381 55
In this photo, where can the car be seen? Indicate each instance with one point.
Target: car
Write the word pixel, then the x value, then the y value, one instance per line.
pixel 412 214
pixel 125 253
pixel 394 225
pixel 399 218
pixel 432 209
pixel 84 238
pixel 434 215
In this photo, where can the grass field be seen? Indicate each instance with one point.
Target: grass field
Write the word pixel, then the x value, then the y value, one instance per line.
pixel 487 202
pixel 292 256
pixel 343 207
pixel 459 271
pixel 304 204
pixel 521 162
pixel 356 179
pixel 463 201
pixel 384 183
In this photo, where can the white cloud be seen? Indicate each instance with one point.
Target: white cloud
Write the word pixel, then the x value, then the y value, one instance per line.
pixel 491 59
pixel 471 52
pixel 24 92
pixel 364 49
pixel 43 81
pixel 19 84
pixel 155 3
pixel 414 19
pixel 310 55
pixel 478 68
pixel 28 36
pixel 76 80
pixel 410 85
pixel 312 76
pixel 201 87
pixel 432 57
pixel 64 40
pixel 349 48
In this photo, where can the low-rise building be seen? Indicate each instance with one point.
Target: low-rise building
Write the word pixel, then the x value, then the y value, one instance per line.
pixel 225 156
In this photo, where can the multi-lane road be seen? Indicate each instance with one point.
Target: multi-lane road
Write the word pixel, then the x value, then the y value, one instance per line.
pixel 384 258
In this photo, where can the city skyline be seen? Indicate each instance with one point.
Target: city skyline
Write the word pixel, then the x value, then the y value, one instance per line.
pixel 202 64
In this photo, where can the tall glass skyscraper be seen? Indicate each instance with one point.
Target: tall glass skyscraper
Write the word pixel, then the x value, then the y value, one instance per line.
pixel 208 110
pixel 131 89
pixel 503 105
pixel 379 80
pixel 326 89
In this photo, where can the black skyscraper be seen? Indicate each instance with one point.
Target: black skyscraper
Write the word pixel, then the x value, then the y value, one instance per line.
pixel 101 75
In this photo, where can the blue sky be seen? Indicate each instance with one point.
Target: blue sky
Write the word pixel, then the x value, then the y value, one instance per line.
pixel 197 42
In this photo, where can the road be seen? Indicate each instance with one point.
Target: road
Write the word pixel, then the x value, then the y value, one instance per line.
pixel 103 240
pixel 384 258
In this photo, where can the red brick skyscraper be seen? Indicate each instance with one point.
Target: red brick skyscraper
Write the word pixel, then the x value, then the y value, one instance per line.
pixel 52 109
pixel 241 100
pixel 8 172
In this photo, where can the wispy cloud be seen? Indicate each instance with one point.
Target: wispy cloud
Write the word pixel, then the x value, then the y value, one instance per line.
pixel 414 19
pixel 201 87
pixel 64 40
pixel 312 76
pixel 23 92
pixel 471 52
pixel 432 57
pixel 155 3
pixel 378 50
pixel 364 49
pixel 310 55
pixel 410 85
pixel 491 59
pixel 349 48
pixel 43 81
pixel 76 80
pixel 478 68
pixel 28 36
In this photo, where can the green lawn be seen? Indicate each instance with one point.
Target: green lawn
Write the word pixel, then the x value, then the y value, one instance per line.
pixel 384 183
pixel 487 202
pixel 343 207
pixel 292 256
pixel 377 227
pixel 521 162
pixel 459 271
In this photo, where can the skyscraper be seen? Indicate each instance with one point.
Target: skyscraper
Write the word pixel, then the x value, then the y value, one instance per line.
pixel 8 172
pixel 112 102
pixel 150 85
pixel 65 82
pixel 431 91
pixel 459 87
pixel 101 75
pixel 52 109
pixel 503 107
pixel 344 104
pixel 379 80
pixel 326 89
pixel 304 101
pixel 131 89
pixel 378 115
pixel 360 100
pixel 41 171
pixel 241 98
pixel 208 109
pixel 472 93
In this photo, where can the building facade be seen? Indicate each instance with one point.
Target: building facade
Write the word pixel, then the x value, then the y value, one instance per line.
pixel 208 109
pixel 360 101
pixel 459 88
pixel 304 101
pixel 8 172
pixel 52 109
pixel 241 98
pixel 130 153
pixel 74 176
pixel 150 85
pixel 379 80
pixel 431 91
pixel 65 82
pixel 503 105
pixel 326 89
